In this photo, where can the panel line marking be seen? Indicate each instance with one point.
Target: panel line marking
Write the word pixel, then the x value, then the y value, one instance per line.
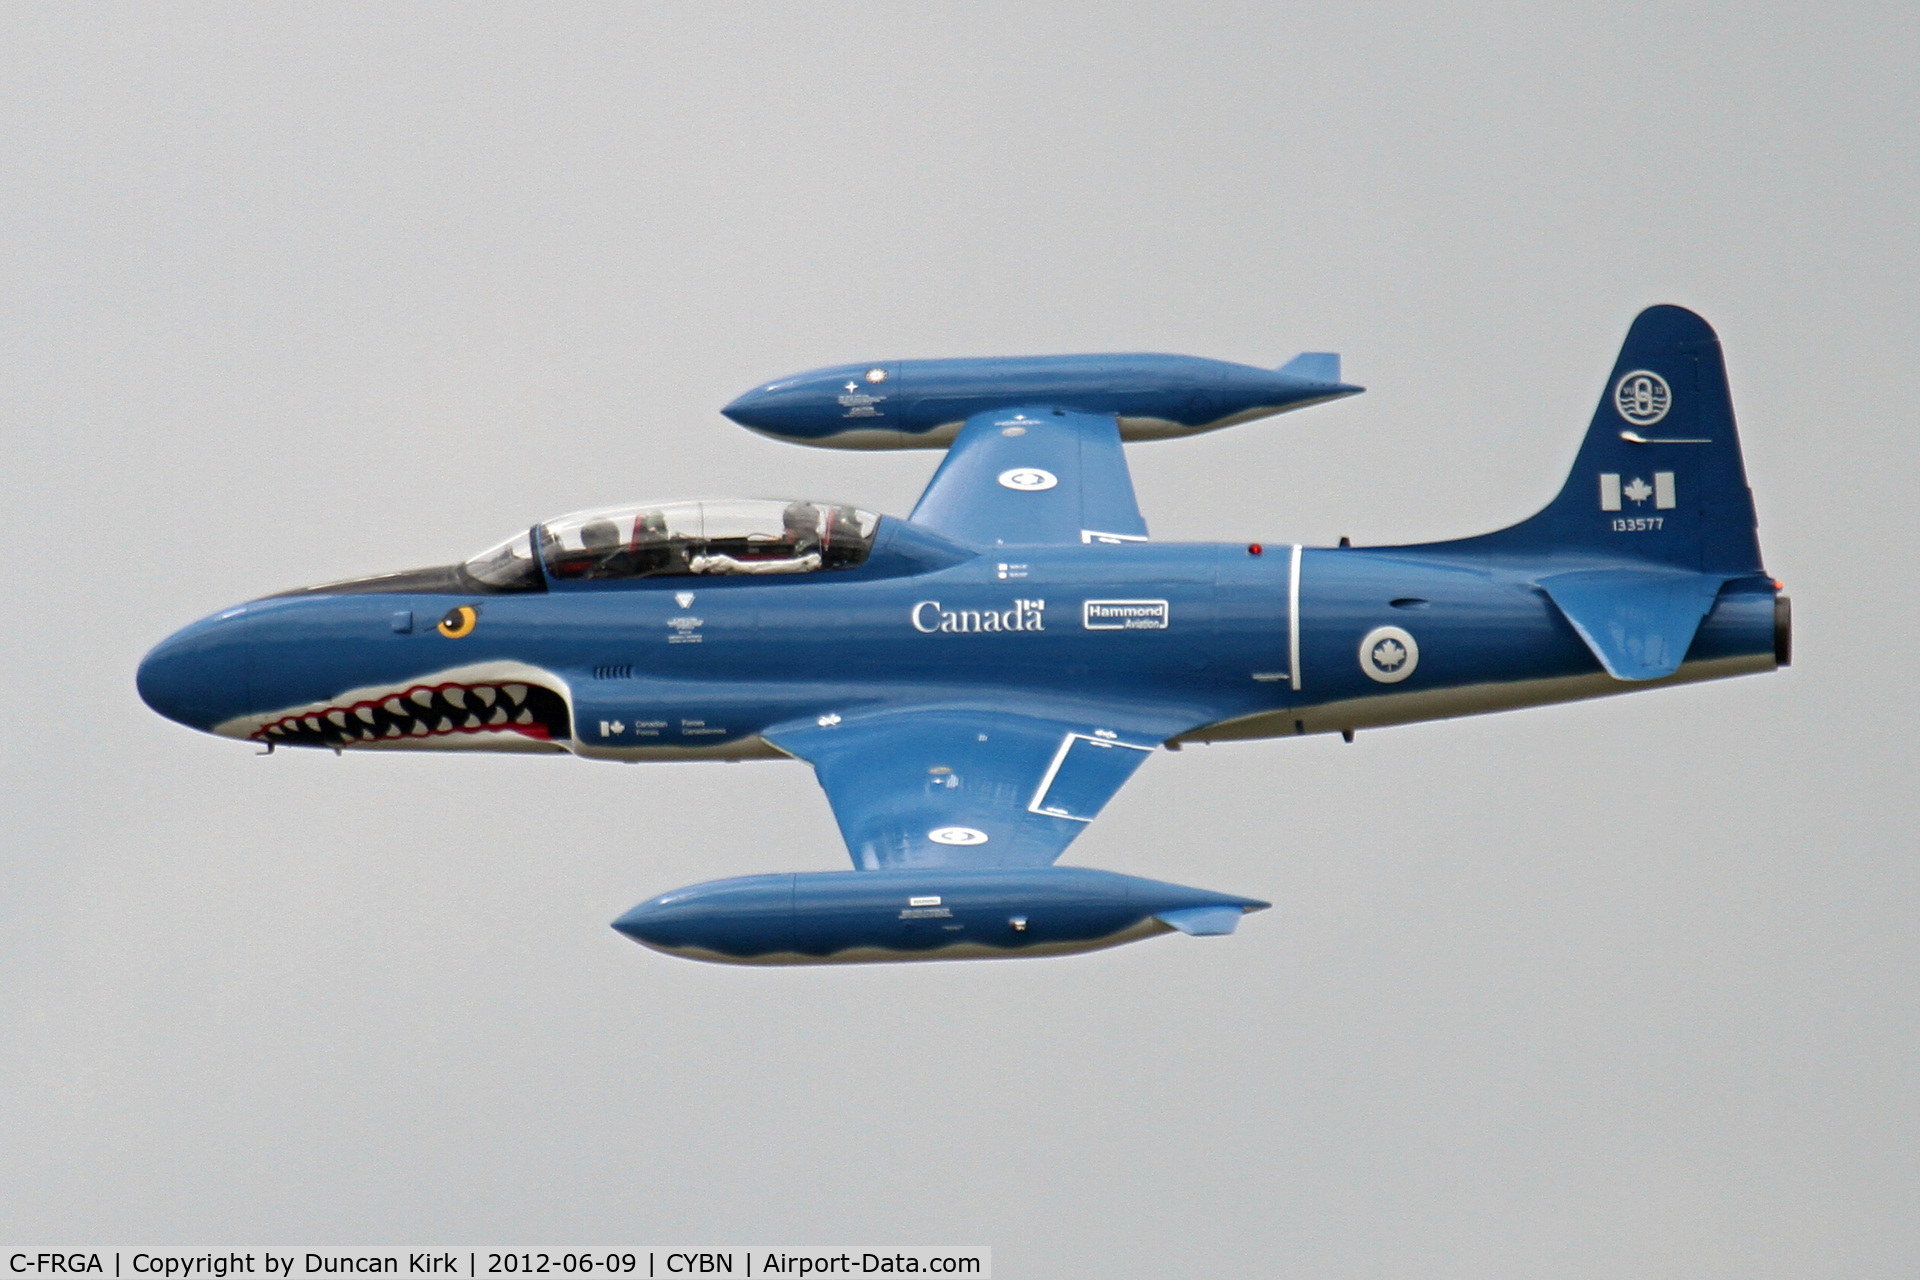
pixel 1059 758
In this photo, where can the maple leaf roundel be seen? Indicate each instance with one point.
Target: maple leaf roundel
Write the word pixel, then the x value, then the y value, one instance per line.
pixel 1388 654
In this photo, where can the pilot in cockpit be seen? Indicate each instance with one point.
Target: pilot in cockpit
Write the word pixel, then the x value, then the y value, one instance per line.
pixel 607 555
pixel 652 551
pixel 841 541
pixel 601 539
pixel 800 528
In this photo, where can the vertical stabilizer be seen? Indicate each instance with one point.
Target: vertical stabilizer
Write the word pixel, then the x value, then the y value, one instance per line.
pixel 1659 478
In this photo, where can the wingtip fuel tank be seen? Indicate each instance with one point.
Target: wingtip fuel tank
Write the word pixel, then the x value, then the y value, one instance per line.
pixel 940 913
pixel 921 404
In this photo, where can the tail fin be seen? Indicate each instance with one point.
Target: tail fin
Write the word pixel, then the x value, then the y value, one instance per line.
pixel 1655 518
pixel 1659 478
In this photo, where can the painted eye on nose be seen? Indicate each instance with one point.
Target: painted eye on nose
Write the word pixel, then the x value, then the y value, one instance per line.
pixel 459 622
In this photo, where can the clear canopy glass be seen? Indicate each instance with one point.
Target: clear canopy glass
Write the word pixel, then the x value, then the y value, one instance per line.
pixel 509 566
pixel 685 538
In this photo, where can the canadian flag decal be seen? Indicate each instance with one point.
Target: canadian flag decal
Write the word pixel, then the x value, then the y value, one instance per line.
pixel 1637 491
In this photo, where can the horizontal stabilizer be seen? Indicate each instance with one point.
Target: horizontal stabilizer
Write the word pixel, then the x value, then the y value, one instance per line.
pixel 1638 622
pixel 1314 366
pixel 1203 922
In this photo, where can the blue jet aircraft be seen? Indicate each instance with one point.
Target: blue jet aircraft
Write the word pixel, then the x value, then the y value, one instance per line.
pixel 973 683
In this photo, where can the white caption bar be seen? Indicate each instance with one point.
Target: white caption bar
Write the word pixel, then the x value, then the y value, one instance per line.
pixel 470 1263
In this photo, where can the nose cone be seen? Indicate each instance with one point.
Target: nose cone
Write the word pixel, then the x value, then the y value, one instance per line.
pixel 198 676
pixel 785 406
pixel 682 917
pixel 667 923
pixel 637 923
pixel 747 410
pixel 743 916
pixel 820 404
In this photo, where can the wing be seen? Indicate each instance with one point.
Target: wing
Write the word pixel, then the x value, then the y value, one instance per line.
pixel 933 787
pixel 1034 475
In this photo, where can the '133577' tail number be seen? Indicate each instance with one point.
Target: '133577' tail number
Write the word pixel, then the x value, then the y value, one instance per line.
pixel 1637 524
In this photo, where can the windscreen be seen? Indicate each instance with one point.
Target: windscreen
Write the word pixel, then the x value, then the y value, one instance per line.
pixel 509 566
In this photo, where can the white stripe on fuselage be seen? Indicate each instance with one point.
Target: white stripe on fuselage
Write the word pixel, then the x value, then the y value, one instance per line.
pixel 1293 620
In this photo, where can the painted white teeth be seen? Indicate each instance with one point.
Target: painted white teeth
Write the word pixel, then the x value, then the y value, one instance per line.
pixel 357 724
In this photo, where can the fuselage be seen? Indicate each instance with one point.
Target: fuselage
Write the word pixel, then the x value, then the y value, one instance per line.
pixel 1174 642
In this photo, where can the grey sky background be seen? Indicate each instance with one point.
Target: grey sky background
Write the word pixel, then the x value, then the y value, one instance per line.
pixel 298 292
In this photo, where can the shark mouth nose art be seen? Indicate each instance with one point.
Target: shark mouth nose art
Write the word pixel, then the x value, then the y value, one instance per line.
pixel 427 712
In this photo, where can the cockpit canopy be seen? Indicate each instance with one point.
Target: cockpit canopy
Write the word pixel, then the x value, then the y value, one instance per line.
pixel 677 539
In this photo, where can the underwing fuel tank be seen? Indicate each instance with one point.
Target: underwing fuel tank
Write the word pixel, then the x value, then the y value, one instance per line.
pixel 852 917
